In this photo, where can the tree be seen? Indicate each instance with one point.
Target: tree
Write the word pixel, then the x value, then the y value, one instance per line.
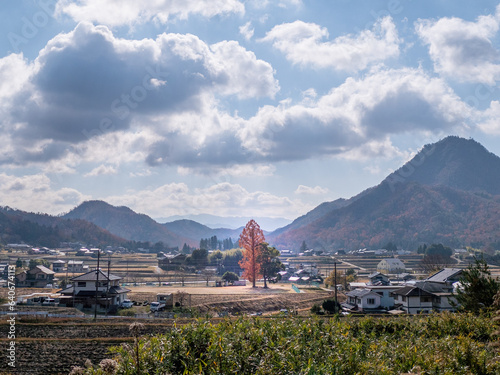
pixel 230 277
pixel 331 306
pixel 199 258
pixel 436 257
pixel 303 247
pixel 270 265
pixel 478 288
pixel 250 240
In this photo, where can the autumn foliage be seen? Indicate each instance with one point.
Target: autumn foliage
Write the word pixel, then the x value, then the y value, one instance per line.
pixel 250 240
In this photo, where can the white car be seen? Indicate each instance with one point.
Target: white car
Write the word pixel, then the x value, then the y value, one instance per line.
pixel 126 304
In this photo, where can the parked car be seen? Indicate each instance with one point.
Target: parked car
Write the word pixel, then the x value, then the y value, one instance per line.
pixel 126 304
pixel 156 306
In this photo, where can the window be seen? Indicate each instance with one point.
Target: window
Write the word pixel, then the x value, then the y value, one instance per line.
pixel 404 298
pixel 425 299
pixel 380 293
pixel 370 301
pixel 82 284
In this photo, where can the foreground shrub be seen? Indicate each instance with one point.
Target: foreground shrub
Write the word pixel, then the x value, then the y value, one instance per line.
pixel 437 344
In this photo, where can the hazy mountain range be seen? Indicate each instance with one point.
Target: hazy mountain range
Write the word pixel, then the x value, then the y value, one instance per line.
pixel 449 193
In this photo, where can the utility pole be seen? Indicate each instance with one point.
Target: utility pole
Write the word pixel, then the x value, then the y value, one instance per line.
pixel 107 286
pixel 96 284
pixel 335 278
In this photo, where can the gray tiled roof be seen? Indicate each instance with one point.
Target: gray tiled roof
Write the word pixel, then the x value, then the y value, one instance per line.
pixel 92 276
pixel 445 274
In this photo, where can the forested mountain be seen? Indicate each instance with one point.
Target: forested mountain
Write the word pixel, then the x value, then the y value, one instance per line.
pixel 449 192
pixel 45 230
pixel 124 222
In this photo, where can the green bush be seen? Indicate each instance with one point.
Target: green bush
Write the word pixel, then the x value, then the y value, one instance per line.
pixel 437 344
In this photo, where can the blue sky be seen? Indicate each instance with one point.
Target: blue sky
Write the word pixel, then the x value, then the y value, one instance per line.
pixel 233 107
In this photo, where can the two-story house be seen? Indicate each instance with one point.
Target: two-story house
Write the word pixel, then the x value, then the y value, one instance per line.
pixel 36 277
pixel 95 286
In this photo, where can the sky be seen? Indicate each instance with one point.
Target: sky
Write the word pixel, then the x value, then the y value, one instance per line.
pixel 234 107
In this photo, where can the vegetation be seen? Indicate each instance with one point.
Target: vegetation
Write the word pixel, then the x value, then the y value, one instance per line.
pixel 250 240
pixel 437 344
pixel 478 289
pixel 230 277
pixel 270 265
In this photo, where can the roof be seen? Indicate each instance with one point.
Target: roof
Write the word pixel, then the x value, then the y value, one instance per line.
pixel 360 292
pixel 59 262
pixel 75 261
pixel 445 274
pixel 92 276
pixel 375 274
pixel 44 269
pixel 393 262
pixel 412 291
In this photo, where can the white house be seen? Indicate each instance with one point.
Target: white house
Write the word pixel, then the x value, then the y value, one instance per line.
pixel 362 300
pixel 414 300
pixel 391 266
pixel 371 297
pixel 75 266
pixel 94 285
pixel 58 265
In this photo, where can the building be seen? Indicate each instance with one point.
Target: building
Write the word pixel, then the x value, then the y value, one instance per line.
pixel 58 265
pixel 378 278
pixel 391 266
pixel 95 286
pixel 371 298
pixel 414 300
pixel 76 266
pixel 36 277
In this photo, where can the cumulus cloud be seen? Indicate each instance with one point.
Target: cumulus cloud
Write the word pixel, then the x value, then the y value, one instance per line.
pixel 303 44
pixel 222 198
pixel 355 114
pixel 489 119
pixel 34 193
pixel 88 83
pixel 247 30
pixel 463 50
pixel 102 170
pixel 130 12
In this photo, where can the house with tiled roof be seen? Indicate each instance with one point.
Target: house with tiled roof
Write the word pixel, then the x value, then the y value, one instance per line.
pixel 93 286
pixel 36 277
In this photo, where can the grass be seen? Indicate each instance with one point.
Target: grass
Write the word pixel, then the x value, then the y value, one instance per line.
pixel 437 344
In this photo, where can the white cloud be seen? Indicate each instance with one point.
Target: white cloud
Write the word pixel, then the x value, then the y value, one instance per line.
pixel 130 12
pixel 33 193
pixel 317 190
pixel 358 113
pixel 303 44
pixel 463 50
pixel 247 30
pixel 489 119
pixel 102 170
pixel 88 85
pixel 219 199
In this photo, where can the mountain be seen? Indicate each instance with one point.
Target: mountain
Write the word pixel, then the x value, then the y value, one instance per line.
pixel 449 193
pixel 45 230
pixel 125 223
pixel 197 231
pixel 231 222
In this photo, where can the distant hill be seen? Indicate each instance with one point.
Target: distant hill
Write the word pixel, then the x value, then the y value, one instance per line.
pixel 197 231
pixel 45 230
pixel 230 222
pixel 125 223
pixel 449 192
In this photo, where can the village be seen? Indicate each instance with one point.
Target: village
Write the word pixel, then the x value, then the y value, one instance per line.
pixel 113 282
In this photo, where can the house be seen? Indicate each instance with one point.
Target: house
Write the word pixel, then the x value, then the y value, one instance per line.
pixel 413 300
pixel 391 266
pixel 171 261
pixel 363 300
pixel 36 277
pixel 446 276
pixel 378 278
pixel 58 265
pixel 75 266
pixel 371 298
pixel 95 285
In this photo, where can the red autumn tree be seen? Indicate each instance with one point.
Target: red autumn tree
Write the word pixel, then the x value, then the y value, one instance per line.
pixel 250 240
